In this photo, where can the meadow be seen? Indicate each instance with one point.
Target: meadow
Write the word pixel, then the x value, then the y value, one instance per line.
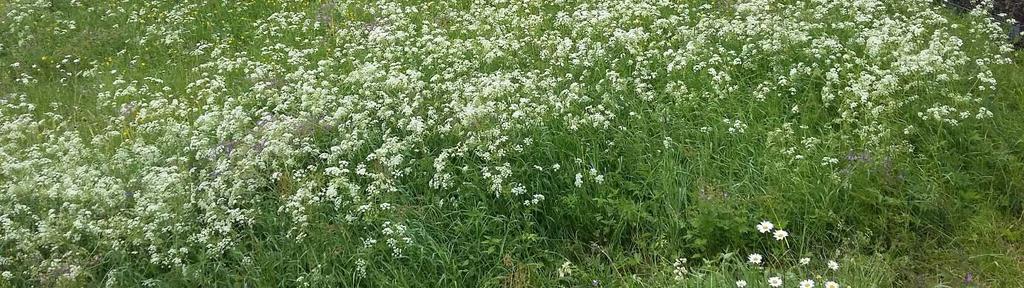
pixel 509 143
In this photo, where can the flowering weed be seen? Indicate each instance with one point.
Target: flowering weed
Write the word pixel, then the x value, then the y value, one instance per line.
pixel 506 143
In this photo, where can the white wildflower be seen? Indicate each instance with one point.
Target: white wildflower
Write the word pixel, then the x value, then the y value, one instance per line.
pixel 565 270
pixel 781 235
pixel 679 271
pixel 765 227
pixel 754 259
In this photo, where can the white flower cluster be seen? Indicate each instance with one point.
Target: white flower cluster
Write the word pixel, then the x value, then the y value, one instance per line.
pixel 679 270
pixel 326 118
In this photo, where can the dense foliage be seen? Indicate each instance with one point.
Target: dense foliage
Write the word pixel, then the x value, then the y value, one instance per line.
pixel 507 143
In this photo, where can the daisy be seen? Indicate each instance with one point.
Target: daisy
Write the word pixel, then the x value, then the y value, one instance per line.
pixel 765 226
pixel 741 283
pixel 831 284
pixel 754 259
pixel 807 283
pixel 805 261
pixel 775 282
pixel 833 265
pixel 781 235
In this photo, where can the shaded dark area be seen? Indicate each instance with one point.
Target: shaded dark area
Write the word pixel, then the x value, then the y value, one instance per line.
pixel 1001 10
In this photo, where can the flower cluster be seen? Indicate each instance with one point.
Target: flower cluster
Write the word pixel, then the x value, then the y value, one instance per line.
pixel 350 119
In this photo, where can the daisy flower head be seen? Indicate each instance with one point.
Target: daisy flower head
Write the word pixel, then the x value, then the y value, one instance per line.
pixel 775 282
pixel 807 283
pixel 805 261
pixel 741 283
pixel 765 227
pixel 781 235
pixel 831 284
pixel 833 265
pixel 754 259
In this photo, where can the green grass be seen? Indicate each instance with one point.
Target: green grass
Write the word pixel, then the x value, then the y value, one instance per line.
pixel 109 165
